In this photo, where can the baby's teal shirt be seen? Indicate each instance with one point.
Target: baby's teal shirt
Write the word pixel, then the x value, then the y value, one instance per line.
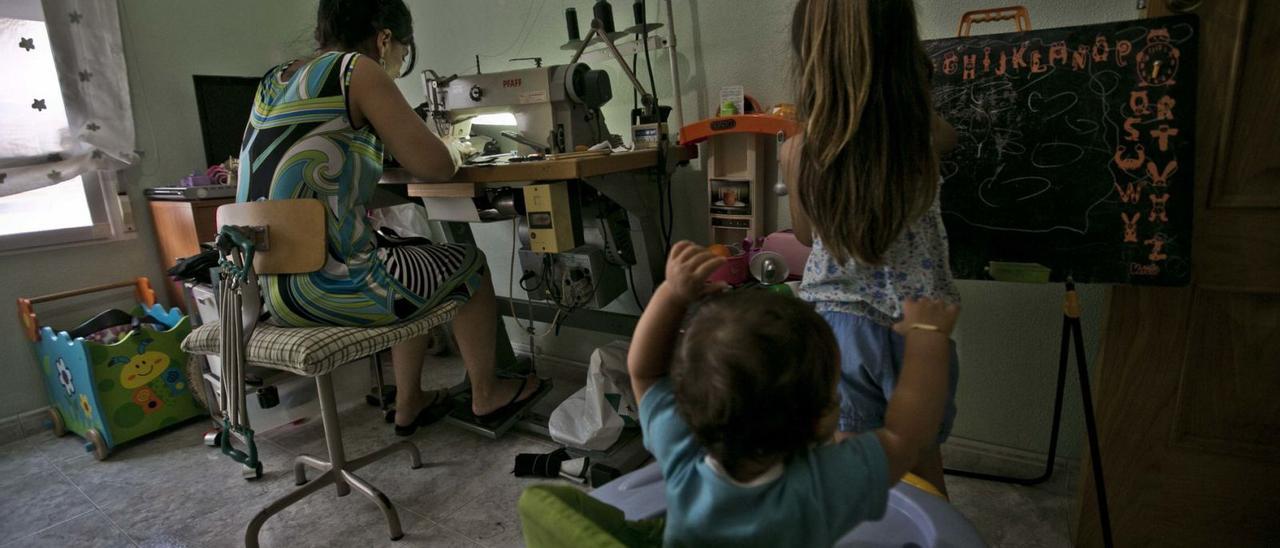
pixel 819 497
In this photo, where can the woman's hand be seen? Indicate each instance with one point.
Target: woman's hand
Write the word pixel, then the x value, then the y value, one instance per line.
pixel 688 267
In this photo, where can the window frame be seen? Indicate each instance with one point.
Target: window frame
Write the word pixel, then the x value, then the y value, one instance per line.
pixel 100 191
pixel 104 212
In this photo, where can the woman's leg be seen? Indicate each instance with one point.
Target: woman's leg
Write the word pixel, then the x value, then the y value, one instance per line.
pixel 476 330
pixel 406 363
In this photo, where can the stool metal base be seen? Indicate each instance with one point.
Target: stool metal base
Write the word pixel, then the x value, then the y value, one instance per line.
pixel 337 471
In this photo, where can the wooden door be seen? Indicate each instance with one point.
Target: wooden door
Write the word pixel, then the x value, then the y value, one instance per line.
pixel 1188 393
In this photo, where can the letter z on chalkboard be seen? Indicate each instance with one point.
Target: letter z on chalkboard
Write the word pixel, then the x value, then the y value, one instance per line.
pixel 1075 149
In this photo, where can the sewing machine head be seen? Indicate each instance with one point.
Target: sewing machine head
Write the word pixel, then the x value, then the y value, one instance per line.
pixel 545 109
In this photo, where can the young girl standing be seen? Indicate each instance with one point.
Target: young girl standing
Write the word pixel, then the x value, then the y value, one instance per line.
pixel 864 193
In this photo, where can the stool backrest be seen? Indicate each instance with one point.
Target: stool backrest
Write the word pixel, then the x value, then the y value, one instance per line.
pixel 294 236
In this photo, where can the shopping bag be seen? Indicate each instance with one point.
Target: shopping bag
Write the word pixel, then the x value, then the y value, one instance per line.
pixel 593 417
pixel 405 220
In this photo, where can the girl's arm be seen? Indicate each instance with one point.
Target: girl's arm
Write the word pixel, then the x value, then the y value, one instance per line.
pixel 375 99
pixel 789 157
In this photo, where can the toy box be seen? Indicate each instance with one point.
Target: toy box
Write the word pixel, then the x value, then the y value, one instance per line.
pixel 121 382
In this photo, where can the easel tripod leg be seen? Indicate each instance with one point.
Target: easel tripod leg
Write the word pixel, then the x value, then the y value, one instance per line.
pixel 1095 454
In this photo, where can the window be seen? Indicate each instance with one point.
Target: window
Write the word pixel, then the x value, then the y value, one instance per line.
pixel 34 123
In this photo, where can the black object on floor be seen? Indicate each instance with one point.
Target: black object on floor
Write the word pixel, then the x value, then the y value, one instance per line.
pixel 542 465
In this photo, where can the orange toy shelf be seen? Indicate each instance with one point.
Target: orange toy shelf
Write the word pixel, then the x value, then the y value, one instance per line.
pixel 764 124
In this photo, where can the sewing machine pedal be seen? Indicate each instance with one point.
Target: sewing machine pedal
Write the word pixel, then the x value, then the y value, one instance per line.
pixel 494 425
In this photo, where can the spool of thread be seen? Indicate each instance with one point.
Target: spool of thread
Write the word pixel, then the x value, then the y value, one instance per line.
pixel 637 12
pixel 604 12
pixel 571 24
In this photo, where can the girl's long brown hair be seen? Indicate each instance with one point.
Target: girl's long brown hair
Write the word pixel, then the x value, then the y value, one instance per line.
pixel 867 167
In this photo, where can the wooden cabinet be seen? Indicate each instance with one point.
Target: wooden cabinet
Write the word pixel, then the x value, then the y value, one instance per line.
pixel 180 227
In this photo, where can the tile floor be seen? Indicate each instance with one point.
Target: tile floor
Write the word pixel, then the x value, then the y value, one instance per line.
pixel 171 490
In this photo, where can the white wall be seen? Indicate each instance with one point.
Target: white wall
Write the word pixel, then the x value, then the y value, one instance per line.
pixel 165 43
pixel 1009 334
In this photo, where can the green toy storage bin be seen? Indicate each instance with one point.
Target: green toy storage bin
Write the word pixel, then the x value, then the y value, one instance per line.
pixel 113 393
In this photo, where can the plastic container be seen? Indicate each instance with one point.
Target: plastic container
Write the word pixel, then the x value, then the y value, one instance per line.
pixel 913 517
pixel 736 269
pixel 1033 273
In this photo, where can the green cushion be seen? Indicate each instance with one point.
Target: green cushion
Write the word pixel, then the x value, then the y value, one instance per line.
pixel 556 516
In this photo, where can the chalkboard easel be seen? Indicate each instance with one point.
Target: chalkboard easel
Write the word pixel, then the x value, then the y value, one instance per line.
pixel 1074 163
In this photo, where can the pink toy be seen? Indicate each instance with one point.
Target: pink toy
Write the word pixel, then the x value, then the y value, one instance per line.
pixel 796 254
pixel 735 270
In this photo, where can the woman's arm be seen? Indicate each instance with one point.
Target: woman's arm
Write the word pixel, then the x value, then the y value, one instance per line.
pixel 375 100
pixel 790 156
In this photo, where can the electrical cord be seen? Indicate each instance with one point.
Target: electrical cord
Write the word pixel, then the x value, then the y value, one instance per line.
pixel 667 221
pixel 631 280
pixel 511 274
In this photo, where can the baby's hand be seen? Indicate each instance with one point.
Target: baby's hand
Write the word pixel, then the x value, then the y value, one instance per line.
pixel 688 267
pixel 928 314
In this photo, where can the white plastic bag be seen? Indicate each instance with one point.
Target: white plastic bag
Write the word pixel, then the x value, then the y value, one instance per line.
pixel 408 220
pixel 593 417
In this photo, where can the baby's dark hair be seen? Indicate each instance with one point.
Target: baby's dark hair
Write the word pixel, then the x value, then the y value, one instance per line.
pixel 754 375
pixel 350 24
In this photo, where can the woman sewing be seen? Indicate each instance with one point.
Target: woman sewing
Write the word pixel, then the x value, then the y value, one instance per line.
pixel 318 130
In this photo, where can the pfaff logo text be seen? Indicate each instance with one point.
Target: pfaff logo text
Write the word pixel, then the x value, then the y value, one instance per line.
pixel 512 83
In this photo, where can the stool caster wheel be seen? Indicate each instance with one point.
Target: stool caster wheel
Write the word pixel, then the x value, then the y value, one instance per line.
pixel 251 473
pixel 213 438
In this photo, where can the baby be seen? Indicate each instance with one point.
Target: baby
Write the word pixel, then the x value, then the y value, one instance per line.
pixel 740 411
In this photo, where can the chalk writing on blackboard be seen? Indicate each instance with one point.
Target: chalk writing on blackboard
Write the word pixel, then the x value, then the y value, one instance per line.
pixel 1076 149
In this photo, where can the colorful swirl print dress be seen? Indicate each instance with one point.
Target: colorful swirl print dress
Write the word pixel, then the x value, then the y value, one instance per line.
pixel 300 143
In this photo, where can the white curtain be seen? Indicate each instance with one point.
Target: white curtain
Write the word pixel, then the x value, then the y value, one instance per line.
pixel 37 150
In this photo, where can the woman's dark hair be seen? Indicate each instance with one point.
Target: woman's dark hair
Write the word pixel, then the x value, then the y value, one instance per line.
pixel 753 376
pixel 351 24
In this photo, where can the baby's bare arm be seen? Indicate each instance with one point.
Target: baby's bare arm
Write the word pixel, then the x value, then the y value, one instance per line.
pixel 917 404
pixel 649 359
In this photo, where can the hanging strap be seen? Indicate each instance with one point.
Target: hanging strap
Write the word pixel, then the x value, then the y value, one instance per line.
pixel 236 326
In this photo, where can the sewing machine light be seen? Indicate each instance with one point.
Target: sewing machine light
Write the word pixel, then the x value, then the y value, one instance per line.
pixel 495 119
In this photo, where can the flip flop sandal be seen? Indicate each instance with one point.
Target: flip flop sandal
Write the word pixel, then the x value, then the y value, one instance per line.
pixel 440 406
pixel 516 405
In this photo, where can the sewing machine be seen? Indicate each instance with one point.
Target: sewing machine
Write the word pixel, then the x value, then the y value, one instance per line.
pixel 576 244
pixel 586 223
pixel 540 110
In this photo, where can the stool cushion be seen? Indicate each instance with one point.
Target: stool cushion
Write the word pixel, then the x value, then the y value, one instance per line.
pixel 312 351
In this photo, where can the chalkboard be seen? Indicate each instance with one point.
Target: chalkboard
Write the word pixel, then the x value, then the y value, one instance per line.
pixel 1075 149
